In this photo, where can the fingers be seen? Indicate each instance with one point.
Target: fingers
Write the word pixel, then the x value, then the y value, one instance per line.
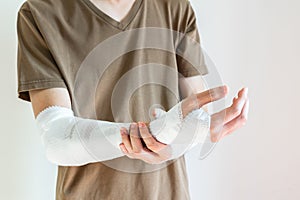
pixel 196 101
pixel 131 145
pixel 234 110
pixel 235 123
pixel 238 121
pixel 132 141
pixel 211 95
pixel 149 140
pixel 126 140
pixel 135 138
pixel 238 104
pixel 123 148
pixel 145 155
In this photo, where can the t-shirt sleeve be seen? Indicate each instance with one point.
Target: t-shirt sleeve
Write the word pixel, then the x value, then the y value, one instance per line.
pixel 189 54
pixel 36 67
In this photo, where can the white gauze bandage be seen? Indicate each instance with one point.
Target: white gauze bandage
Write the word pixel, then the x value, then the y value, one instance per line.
pixel 75 141
pixel 193 130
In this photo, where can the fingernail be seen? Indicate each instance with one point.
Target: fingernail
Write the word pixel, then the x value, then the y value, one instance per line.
pixel 142 124
pixel 154 113
pixel 123 131
pixel 123 149
pixel 133 125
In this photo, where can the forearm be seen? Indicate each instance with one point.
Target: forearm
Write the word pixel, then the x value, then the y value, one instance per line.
pixel 74 141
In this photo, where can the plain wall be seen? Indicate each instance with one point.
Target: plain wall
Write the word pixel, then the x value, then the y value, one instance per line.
pixel 253 43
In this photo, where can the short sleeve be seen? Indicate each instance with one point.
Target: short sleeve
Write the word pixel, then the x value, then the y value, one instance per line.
pixel 189 54
pixel 36 67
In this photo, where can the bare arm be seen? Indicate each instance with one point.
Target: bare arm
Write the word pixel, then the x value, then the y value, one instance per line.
pixel 43 98
pixel 190 85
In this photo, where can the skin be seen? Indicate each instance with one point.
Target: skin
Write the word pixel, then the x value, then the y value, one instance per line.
pixel 223 123
pixel 116 9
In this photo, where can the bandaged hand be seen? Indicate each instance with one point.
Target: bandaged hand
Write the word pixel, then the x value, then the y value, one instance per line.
pixel 170 135
pixel 222 123
pixel 193 130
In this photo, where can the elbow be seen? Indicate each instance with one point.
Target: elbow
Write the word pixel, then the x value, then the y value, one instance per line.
pixel 64 152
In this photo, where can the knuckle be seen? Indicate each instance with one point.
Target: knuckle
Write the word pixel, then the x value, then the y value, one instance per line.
pixel 151 143
pixel 135 137
pixel 136 150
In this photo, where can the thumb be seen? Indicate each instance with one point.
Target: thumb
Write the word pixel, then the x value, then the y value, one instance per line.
pixel 196 101
pixel 211 95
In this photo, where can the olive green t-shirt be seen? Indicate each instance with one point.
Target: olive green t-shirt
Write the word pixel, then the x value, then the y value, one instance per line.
pixel 112 73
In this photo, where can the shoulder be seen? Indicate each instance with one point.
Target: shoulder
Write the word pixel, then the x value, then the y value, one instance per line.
pixel 179 11
pixel 174 4
pixel 176 8
pixel 44 6
pixel 47 11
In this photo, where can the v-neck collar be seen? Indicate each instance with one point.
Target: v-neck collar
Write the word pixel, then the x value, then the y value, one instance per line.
pixel 118 24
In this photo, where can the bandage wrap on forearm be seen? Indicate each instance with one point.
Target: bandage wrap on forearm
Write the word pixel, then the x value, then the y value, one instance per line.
pixel 71 140
pixel 167 125
pixel 183 135
pixel 195 130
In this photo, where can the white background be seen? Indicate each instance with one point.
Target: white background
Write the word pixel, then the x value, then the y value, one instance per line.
pixel 253 43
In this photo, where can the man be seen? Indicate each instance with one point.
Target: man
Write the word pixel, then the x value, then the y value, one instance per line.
pixel 55 38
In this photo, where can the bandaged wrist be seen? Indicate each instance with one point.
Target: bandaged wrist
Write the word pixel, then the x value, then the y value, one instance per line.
pixel 170 125
pixel 165 128
pixel 194 131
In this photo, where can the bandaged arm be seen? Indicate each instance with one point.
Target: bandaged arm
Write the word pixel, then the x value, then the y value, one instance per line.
pixel 75 141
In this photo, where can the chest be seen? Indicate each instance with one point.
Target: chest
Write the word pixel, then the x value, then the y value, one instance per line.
pixel 117 10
